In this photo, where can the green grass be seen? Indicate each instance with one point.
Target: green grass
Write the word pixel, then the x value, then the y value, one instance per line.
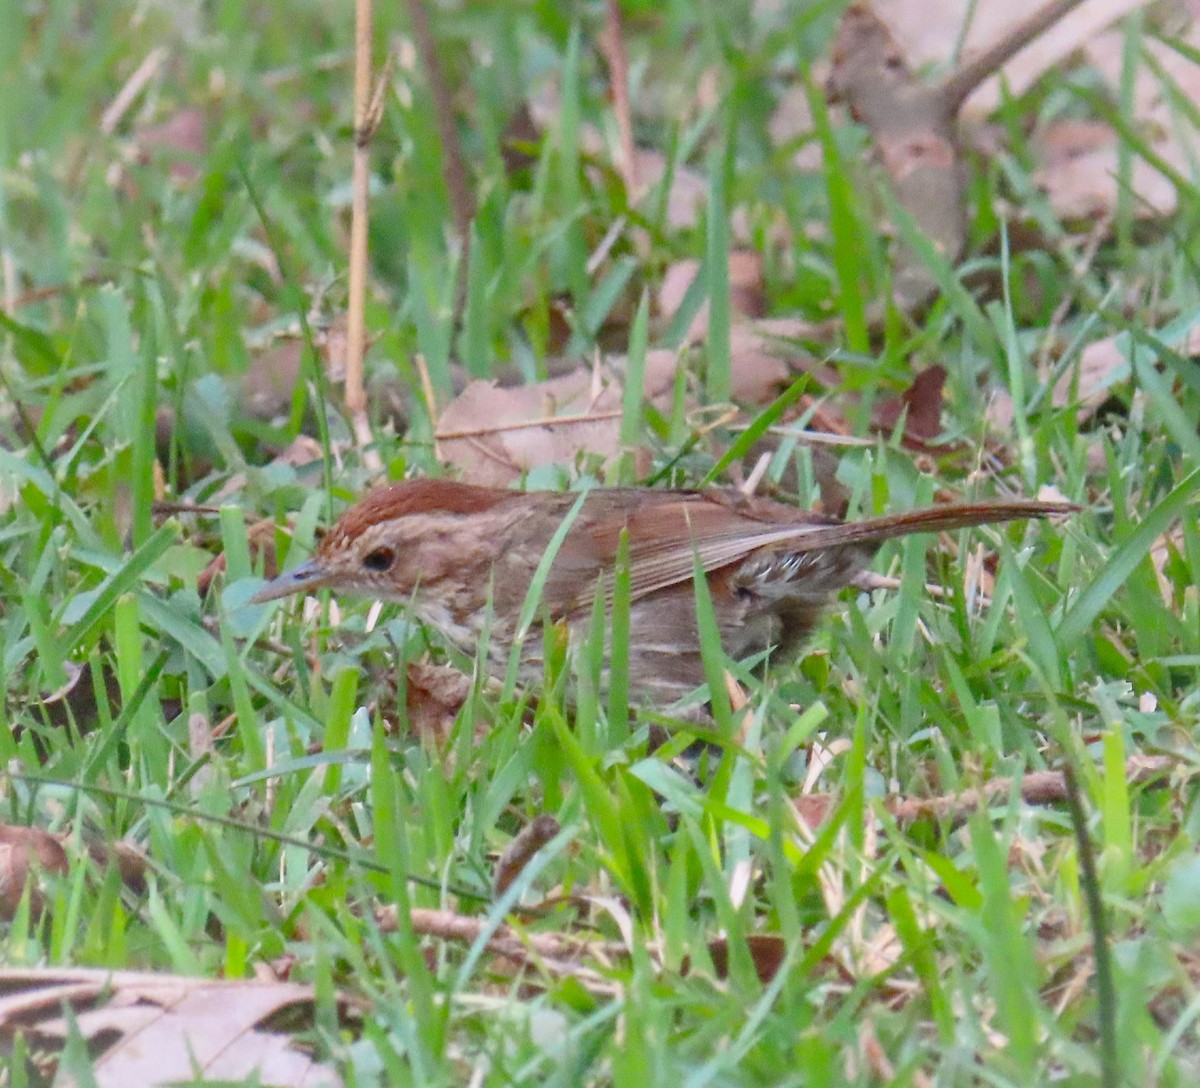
pixel 963 949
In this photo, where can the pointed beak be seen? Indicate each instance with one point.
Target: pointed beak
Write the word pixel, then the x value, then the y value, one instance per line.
pixel 309 575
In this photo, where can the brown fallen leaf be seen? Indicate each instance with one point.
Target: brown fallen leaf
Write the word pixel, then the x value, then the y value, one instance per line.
pixel 18 869
pixel 1168 548
pixel 915 124
pixel 182 140
pixel 494 434
pixel 769 354
pixel 764 352
pixel 922 401
pixel 687 195
pixel 747 293
pixel 1083 182
pixel 274 370
pixel 814 808
pixel 520 141
pixel 1079 171
pixel 271 378
pixel 767 953
pixel 433 696
pixel 1103 365
pixel 151 1029
pixel 792 122
pixel 24 853
pixel 201 745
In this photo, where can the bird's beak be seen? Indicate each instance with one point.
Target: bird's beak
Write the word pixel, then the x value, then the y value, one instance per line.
pixel 309 575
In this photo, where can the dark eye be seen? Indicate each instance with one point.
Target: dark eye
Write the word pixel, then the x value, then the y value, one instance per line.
pixel 380 559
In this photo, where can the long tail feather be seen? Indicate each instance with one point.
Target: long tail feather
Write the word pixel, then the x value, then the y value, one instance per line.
pixel 930 520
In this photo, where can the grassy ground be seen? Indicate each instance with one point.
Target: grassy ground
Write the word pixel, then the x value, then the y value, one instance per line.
pixel 253 752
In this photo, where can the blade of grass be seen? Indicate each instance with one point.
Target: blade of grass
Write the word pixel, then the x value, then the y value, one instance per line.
pixel 476 338
pixel 533 595
pixel 635 374
pixel 121 582
pixel 1121 563
pixel 719 371
pixel 1007 952
pixel 337 727
pixel 844 225
pixel 759 426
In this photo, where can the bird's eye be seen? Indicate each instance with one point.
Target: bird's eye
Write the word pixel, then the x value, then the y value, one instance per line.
pixel 379 559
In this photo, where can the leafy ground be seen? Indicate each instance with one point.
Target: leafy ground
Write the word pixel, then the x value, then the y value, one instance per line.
pixel 173 222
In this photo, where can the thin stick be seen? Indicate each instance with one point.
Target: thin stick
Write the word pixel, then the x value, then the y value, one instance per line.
pixel 525 424
pixel 612 44
pixel 958 85
pixel 462 203
pixel 1089 884
pixel 134 85
pixel 1037 788
pixel 356 399
pixel 427 390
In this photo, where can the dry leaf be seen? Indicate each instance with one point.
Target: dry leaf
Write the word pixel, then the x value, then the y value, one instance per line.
pixel 260 539
pixel 766 356
pixel 151 1029
pixel 922 401
pixel 1103 364
pixel 1086 184
pixel 1078 161
pixel 182 140
pixel 767 951
pixel 1083 185
pixel 201 745
pixel 434 694
pixel 270 379
pixel 1078 170
pixel 25 852
pixel 520 141
pixel 494 434
pixel 913 125
pixel 814 808
pixel 689 188
pixel 792 121
pixel 747 293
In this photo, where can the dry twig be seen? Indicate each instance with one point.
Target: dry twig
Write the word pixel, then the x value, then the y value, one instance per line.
pixel 462 203
pixel 1037 788
pixel 612 44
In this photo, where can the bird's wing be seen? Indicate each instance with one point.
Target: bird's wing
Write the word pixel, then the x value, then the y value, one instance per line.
pixel 666 539
pixel 668 536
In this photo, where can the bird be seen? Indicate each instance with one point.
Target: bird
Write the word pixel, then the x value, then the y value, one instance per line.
pixel 463 557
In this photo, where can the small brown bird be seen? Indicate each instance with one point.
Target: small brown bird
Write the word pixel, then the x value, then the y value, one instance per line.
pixel 441 546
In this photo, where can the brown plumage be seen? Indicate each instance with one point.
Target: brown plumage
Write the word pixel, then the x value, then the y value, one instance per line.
pixel 439 545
